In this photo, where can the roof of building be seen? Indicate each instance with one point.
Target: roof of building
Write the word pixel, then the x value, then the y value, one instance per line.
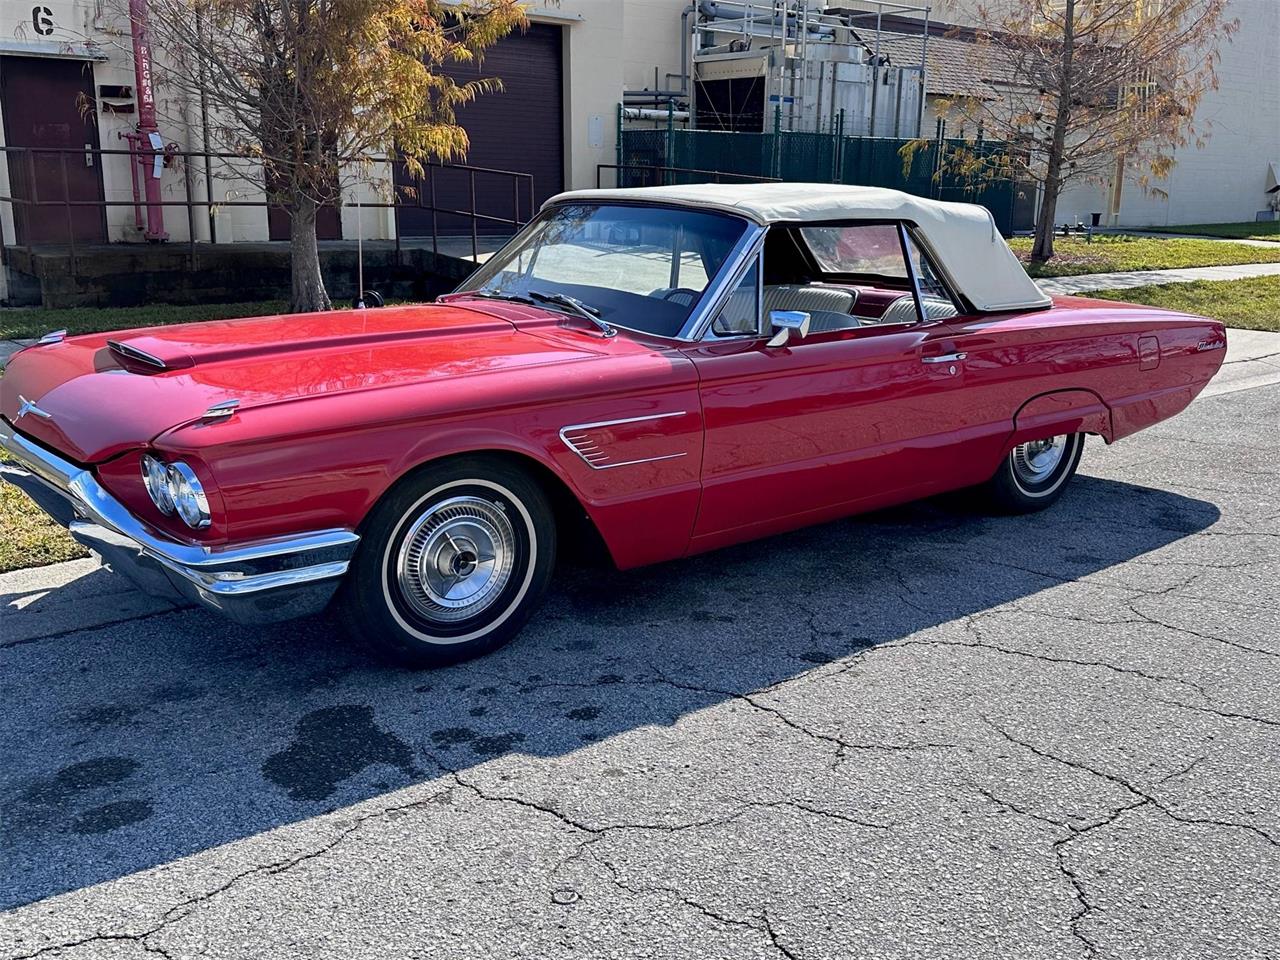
pixel 953 67
pixel 962 236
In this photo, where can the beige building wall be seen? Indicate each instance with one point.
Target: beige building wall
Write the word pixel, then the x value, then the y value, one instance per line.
pixel 1226 179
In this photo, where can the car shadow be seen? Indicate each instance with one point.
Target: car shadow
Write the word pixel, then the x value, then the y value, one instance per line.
pixel 140 742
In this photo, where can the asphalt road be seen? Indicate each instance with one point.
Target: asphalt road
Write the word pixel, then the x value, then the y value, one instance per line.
pixel 924 733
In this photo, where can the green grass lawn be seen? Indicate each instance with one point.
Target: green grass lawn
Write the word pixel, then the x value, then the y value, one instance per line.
pixel 1111 253
pixel 21 324
pixel 28 538
pixel 1252 304
pixel 1263 230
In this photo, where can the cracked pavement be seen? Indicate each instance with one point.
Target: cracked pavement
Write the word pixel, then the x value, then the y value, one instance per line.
pixel 922 733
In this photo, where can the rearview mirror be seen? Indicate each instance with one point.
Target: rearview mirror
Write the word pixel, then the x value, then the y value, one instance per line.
pixel 787 325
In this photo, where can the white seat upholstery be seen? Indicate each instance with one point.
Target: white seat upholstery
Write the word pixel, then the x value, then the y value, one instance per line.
pixel 788 296
pixel 903 310
pixel 828 307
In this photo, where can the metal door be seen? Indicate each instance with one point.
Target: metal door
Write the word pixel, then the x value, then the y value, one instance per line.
pixel 50 111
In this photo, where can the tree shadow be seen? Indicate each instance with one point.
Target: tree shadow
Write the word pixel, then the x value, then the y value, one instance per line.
pixel 137 743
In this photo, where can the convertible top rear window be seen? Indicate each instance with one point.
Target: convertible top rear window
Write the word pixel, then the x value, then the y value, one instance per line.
pixel 644 268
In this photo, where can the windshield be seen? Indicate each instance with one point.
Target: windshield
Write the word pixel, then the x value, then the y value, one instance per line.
pixel 639 267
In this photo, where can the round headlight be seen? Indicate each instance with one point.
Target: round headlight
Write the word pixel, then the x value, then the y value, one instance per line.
pixel 156 476
pixel 188 496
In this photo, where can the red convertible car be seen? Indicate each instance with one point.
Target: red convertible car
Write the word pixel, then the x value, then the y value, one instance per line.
pixel 679 368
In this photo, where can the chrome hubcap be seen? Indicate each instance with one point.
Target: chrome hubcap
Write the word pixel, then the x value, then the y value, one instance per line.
pixel 456 559
pixel 1034 462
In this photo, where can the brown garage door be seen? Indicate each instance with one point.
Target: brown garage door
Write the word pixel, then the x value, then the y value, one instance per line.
pixel 521 128
pixel 42 100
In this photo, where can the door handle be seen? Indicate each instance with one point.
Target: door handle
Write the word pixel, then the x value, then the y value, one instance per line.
pixel 944 358
pixel 88 155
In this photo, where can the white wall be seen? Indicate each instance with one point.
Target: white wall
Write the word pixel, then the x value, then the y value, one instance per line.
pixel 1226 179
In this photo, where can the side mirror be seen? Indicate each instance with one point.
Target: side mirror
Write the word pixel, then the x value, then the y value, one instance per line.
pixel 787 325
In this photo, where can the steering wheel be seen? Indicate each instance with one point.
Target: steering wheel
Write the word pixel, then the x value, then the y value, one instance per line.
pixel 683 291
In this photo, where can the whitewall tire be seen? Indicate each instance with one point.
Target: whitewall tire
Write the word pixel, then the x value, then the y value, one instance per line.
pixel 452 562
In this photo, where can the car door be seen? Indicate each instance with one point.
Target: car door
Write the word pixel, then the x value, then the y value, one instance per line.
pixel 824 426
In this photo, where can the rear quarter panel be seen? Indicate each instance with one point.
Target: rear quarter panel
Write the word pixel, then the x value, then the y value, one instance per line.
pixel 1089 365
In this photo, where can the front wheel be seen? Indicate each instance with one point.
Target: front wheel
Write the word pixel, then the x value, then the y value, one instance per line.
pixel 451 564
pixel 1034 474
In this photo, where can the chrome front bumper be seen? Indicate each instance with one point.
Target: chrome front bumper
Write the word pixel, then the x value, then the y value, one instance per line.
pixel 257 582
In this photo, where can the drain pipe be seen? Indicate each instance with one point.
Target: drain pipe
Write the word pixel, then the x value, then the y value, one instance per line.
pixel 146 143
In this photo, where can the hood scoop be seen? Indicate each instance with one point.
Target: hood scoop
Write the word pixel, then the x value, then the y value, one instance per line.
pixel 148 355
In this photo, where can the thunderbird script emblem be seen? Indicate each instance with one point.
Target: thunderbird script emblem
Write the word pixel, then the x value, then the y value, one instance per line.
pixel 26 406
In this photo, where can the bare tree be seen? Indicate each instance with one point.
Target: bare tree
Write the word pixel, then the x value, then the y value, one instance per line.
pixel 1086 89
pixel 308 90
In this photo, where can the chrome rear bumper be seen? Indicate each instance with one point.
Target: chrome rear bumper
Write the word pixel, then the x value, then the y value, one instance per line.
pixel 257 582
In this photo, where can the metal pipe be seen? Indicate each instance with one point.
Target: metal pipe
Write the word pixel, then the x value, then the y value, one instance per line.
pixel 875 72
pixel 204 124
pixel 924 72
pixel 645 113
pixel 148 132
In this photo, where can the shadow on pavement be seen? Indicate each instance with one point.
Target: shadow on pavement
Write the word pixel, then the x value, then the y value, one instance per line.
pixel 141 742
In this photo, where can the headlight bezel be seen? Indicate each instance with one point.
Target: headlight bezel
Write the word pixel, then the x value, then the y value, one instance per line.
pixel 180 494
pixel 155 477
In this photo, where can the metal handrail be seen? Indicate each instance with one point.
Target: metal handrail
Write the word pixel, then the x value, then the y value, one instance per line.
pixel 522 188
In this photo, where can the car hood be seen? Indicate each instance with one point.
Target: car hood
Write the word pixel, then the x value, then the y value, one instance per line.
pixel 97 396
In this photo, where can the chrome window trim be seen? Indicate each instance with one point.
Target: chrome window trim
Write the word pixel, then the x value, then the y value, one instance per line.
pixel 939 268
pixel 717 292
pixel 709 335
pixel 735 269
pixel 904 240
pixel 593 459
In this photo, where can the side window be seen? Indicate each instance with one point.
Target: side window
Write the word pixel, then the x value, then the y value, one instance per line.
pixel 741 311
pixel 871 249
pixel 871 256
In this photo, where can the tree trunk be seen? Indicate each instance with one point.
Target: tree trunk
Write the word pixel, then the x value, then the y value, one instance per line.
pixel 308 293
pixel 1042 250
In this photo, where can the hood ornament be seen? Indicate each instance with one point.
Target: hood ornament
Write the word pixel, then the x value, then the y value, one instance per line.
pixel 56 336
pixel 26 406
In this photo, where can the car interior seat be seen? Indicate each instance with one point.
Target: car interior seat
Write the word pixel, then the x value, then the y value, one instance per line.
pixel 903 310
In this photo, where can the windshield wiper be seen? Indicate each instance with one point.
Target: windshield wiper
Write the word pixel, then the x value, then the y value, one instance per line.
pixel 496 295
pixel 583 310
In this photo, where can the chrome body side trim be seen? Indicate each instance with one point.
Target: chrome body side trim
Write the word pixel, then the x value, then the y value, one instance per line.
pixel 577 437
pixel 256 582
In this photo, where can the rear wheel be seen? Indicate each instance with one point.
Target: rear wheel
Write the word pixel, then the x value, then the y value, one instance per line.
pixel 1035 473
pixel 451 564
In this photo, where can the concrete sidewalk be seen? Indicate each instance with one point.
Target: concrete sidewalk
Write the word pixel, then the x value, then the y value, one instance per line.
pixel 1063 286
pixel 1161 235
pixel 1253 360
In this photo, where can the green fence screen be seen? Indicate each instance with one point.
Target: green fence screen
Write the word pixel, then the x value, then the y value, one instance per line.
pixel 820 158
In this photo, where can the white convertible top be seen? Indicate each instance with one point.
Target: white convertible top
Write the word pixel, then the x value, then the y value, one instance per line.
pixel 962 236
